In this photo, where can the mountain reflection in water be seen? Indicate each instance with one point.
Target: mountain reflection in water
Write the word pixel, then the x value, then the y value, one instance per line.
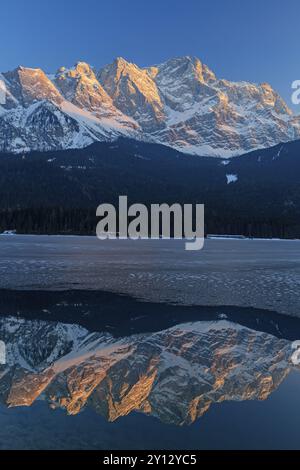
pixel 175 373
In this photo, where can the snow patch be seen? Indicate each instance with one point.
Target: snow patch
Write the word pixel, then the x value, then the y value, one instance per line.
pixel 231 178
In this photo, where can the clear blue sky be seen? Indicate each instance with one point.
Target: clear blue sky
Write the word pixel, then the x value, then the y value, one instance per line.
pixel 255 40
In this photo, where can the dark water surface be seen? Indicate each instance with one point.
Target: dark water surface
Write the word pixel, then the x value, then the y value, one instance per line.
pixel 163 377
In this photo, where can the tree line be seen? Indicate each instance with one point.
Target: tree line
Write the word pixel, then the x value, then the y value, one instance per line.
pixel 82 221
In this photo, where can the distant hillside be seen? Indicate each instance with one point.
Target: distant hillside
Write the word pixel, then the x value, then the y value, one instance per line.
pixel 58 191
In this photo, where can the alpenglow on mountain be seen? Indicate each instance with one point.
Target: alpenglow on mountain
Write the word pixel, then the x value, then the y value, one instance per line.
pixel 180 103
pixel 175 375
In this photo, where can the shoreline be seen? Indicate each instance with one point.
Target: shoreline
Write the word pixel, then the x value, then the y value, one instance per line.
pixel 215 238
pixel 125 315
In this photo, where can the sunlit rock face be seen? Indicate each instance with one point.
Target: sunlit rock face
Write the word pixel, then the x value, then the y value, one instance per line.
pixel 135 93
pixel 175 375
pixel 80 86
pixel 68 110
pixel 31 116
pixel 180 103
pixel 26 86
pixel 196 112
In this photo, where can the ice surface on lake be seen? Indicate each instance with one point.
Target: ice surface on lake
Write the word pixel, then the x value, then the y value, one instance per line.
pixel 257 273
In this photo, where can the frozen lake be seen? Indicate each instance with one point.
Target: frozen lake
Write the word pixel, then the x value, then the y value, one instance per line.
pixel 87 369
pixel 257 273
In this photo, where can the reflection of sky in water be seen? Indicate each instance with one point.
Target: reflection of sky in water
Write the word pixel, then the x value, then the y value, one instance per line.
pixel 226 382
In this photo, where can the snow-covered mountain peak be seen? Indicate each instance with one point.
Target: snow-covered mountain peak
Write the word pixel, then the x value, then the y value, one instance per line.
pixel 180 103
pixel 134 92
pixel 123 64
pixel 28 85
pixel 79 83
pixel 80 86
pixel 84 69
pixel 80 69
pixel 186 67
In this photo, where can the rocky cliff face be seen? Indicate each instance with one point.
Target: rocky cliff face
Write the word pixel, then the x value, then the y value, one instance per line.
pixel 70 110
pixel 81 87
pixel 175 375
pixel 180 103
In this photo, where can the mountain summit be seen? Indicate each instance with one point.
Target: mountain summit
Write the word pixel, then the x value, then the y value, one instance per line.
pixel 179 103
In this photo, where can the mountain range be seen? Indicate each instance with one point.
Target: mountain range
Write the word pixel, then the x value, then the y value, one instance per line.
pixel 180 103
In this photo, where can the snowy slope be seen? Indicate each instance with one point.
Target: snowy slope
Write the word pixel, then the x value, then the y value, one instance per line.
pixel 180 103
pixel 37 116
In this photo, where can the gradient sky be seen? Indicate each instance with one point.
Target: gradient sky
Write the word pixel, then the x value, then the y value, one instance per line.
pixel 253 40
